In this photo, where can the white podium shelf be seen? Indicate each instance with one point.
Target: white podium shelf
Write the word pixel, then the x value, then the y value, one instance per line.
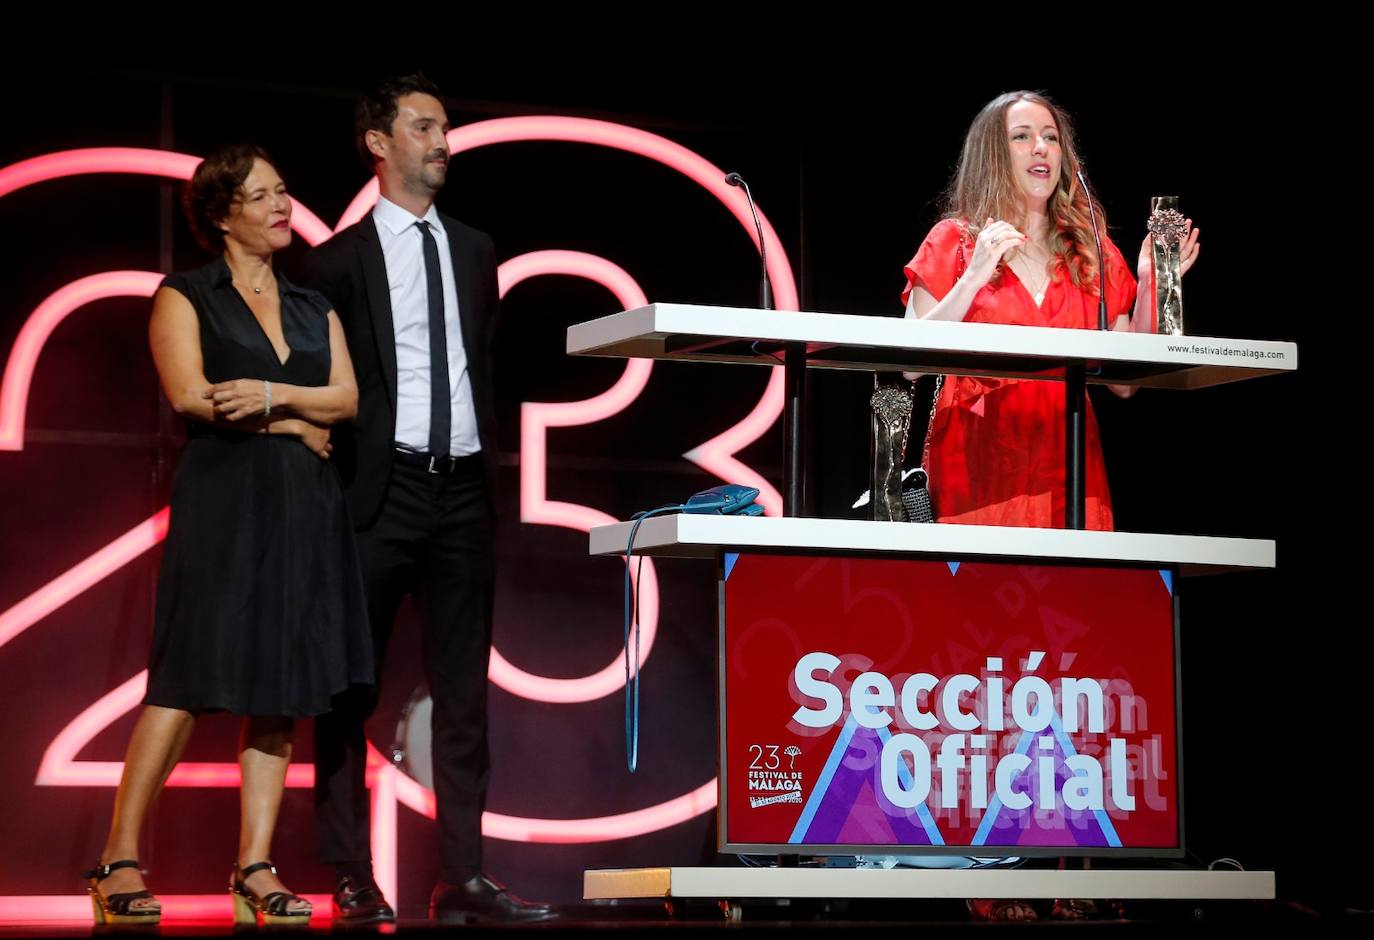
pixel 705 536
pixel 845 341
pixel 744 883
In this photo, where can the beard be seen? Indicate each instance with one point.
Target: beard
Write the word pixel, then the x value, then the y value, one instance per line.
pixel 433 171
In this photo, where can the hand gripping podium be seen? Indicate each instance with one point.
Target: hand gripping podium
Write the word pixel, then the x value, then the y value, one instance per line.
pixel 897 689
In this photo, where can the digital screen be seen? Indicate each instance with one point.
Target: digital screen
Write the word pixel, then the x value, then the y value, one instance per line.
pixel 872 704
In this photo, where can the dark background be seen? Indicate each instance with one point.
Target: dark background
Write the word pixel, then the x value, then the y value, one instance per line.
pixel 848 164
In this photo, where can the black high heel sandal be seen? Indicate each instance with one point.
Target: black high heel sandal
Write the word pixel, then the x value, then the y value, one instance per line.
pixel 118 908
pixel 270 911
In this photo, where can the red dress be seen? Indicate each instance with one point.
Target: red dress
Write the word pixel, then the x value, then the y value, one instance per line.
pixel 997 445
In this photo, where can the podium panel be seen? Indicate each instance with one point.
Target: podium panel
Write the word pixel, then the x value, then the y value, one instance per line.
pixel 907 706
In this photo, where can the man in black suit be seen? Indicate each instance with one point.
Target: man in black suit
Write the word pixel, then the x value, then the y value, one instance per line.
pixel 417 294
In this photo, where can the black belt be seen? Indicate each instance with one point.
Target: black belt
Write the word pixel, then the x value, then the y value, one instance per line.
pixel 443 466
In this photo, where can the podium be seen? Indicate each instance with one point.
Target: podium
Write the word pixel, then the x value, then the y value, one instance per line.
pixel 1111 593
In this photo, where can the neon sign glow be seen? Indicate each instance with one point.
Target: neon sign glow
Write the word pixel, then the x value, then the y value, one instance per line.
pixel 60 765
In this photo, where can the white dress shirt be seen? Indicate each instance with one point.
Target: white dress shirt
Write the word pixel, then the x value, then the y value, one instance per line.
pixel 403 250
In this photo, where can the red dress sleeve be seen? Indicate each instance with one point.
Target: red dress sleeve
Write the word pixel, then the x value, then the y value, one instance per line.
pixel 936 265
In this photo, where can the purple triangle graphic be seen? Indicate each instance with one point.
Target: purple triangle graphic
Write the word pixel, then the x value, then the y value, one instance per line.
pixel 853 810
pixel 865 828
pixel 1061 826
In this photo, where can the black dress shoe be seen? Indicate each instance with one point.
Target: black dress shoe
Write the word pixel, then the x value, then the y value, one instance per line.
pixel 359 902
pixel 482 900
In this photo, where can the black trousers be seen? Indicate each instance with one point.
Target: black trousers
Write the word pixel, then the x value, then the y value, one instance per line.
pixel 433 539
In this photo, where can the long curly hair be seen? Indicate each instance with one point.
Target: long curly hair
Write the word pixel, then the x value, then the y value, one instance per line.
pixel 984 186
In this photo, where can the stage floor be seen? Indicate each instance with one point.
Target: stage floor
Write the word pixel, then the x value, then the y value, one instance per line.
pixel 813 914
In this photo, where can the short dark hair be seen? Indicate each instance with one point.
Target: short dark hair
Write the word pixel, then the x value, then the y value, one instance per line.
pixel 376 110
pixel 214 187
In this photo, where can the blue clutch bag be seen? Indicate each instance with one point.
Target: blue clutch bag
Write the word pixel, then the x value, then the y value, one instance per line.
pixel 729 499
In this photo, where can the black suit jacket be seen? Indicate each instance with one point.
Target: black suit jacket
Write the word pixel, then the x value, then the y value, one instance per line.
pixel 349 269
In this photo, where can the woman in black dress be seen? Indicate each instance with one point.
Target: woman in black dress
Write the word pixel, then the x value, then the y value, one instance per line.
pixel 260 609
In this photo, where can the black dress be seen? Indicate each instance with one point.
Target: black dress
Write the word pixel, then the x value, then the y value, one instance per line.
pixel 260 605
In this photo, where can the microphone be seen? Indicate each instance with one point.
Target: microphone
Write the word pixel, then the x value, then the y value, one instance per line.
pixel 765 289
pixel 1101 258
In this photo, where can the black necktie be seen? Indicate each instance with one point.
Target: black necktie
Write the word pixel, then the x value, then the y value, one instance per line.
pixel 440 418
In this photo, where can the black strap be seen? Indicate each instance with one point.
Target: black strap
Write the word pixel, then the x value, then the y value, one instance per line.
pixel 278 902
pixel 255 868
pixel 102 871
pixel 440 416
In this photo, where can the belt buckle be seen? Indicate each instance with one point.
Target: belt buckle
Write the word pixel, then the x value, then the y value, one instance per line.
pixel 442 465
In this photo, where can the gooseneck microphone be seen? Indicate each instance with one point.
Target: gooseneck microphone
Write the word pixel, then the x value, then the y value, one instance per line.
pixel 1101 259
pixel 765 289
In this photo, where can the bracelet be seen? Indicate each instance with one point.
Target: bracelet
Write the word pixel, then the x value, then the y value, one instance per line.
pixel 266 398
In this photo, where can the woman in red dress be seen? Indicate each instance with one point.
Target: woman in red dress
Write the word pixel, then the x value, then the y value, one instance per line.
pixel 1016 247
